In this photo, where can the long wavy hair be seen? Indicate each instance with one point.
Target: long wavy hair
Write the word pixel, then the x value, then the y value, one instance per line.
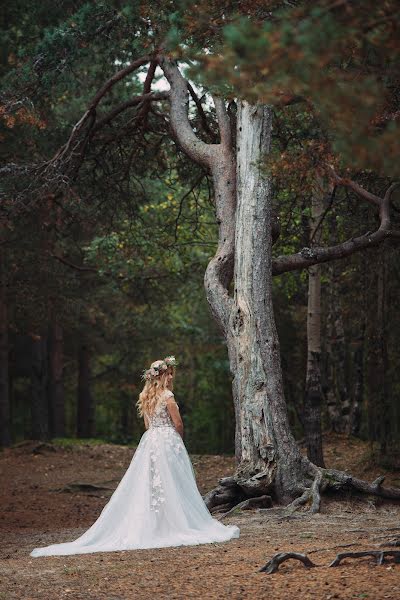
pixel 152 390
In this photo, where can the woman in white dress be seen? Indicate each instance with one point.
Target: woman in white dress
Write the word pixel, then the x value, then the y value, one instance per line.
pixel 157 502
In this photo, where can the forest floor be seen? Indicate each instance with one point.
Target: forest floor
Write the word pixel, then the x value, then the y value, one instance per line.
pixel 41 505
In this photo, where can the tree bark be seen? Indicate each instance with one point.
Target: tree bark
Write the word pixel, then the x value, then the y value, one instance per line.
pixel 86 412
pixel 313 387
pixel 56 384
pixel 5 412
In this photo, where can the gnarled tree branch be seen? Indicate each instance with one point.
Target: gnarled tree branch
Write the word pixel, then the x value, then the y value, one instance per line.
pixel 220 160
pixel 90 112
pixel 315 255
pixel 194 147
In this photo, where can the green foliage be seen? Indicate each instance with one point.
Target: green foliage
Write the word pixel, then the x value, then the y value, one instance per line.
pixel 116 246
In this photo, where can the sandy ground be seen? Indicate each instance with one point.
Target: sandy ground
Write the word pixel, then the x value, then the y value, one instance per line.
pixel 41 505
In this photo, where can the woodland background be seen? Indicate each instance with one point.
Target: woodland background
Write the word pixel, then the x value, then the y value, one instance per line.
pixel 105 274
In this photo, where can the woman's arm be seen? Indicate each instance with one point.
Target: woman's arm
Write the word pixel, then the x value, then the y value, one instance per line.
pixel 146 421
pixel 173 410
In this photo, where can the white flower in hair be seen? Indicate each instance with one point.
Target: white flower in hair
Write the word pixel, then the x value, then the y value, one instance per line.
pixel 159 367
pixel 145 375
pixel 170 361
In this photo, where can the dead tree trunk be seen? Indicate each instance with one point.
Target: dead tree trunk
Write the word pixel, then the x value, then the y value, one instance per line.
pixel 313 387
pixel 268 457
pixel 5 418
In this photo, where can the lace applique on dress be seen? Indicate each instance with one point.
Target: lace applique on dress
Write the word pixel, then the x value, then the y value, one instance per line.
pixel 157 490
pixel 160 418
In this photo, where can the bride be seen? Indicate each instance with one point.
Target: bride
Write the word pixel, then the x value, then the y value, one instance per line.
pixel 157 502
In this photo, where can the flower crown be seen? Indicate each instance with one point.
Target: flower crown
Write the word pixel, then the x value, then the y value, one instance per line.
pixel 161 367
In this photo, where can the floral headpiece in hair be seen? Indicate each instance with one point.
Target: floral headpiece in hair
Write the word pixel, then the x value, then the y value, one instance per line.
pixel 161 367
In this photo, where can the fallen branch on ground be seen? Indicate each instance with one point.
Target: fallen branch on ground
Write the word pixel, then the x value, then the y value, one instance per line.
pixel 379 555
pixel 273 564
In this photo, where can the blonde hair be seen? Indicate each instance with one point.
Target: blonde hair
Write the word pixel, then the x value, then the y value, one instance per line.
pixel 152 390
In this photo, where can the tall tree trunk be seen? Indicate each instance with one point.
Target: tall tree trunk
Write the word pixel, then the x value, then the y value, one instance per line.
pixel 56 383
pixel 39 407
pixel 267 454
pixel 313 388
pixel 5 412
pixel 384 429
pixel 358 359
pixel 86 411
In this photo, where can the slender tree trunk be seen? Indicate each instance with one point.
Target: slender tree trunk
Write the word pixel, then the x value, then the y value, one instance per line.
pixel 5 413
pixel 56 384
pixel 313 387
pixel 372 384
pixel 358 360
pixel 85 412
pixel 39 407
pixel 378 405
pixel 384 429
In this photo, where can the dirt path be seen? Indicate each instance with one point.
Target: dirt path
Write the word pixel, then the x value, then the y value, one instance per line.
pixel 34 513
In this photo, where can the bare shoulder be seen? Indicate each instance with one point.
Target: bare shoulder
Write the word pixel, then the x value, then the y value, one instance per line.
pixel 170 399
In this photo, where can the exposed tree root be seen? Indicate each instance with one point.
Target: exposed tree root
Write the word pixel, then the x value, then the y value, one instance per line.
pixel 231 492
pixel 379 556
pixel 256 502
pixel 222 507
pixel 310 494
pixel 338 480
pixel 330 479
pixel 273 565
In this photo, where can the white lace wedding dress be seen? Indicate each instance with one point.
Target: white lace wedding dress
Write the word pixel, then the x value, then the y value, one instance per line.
pixel 157 502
